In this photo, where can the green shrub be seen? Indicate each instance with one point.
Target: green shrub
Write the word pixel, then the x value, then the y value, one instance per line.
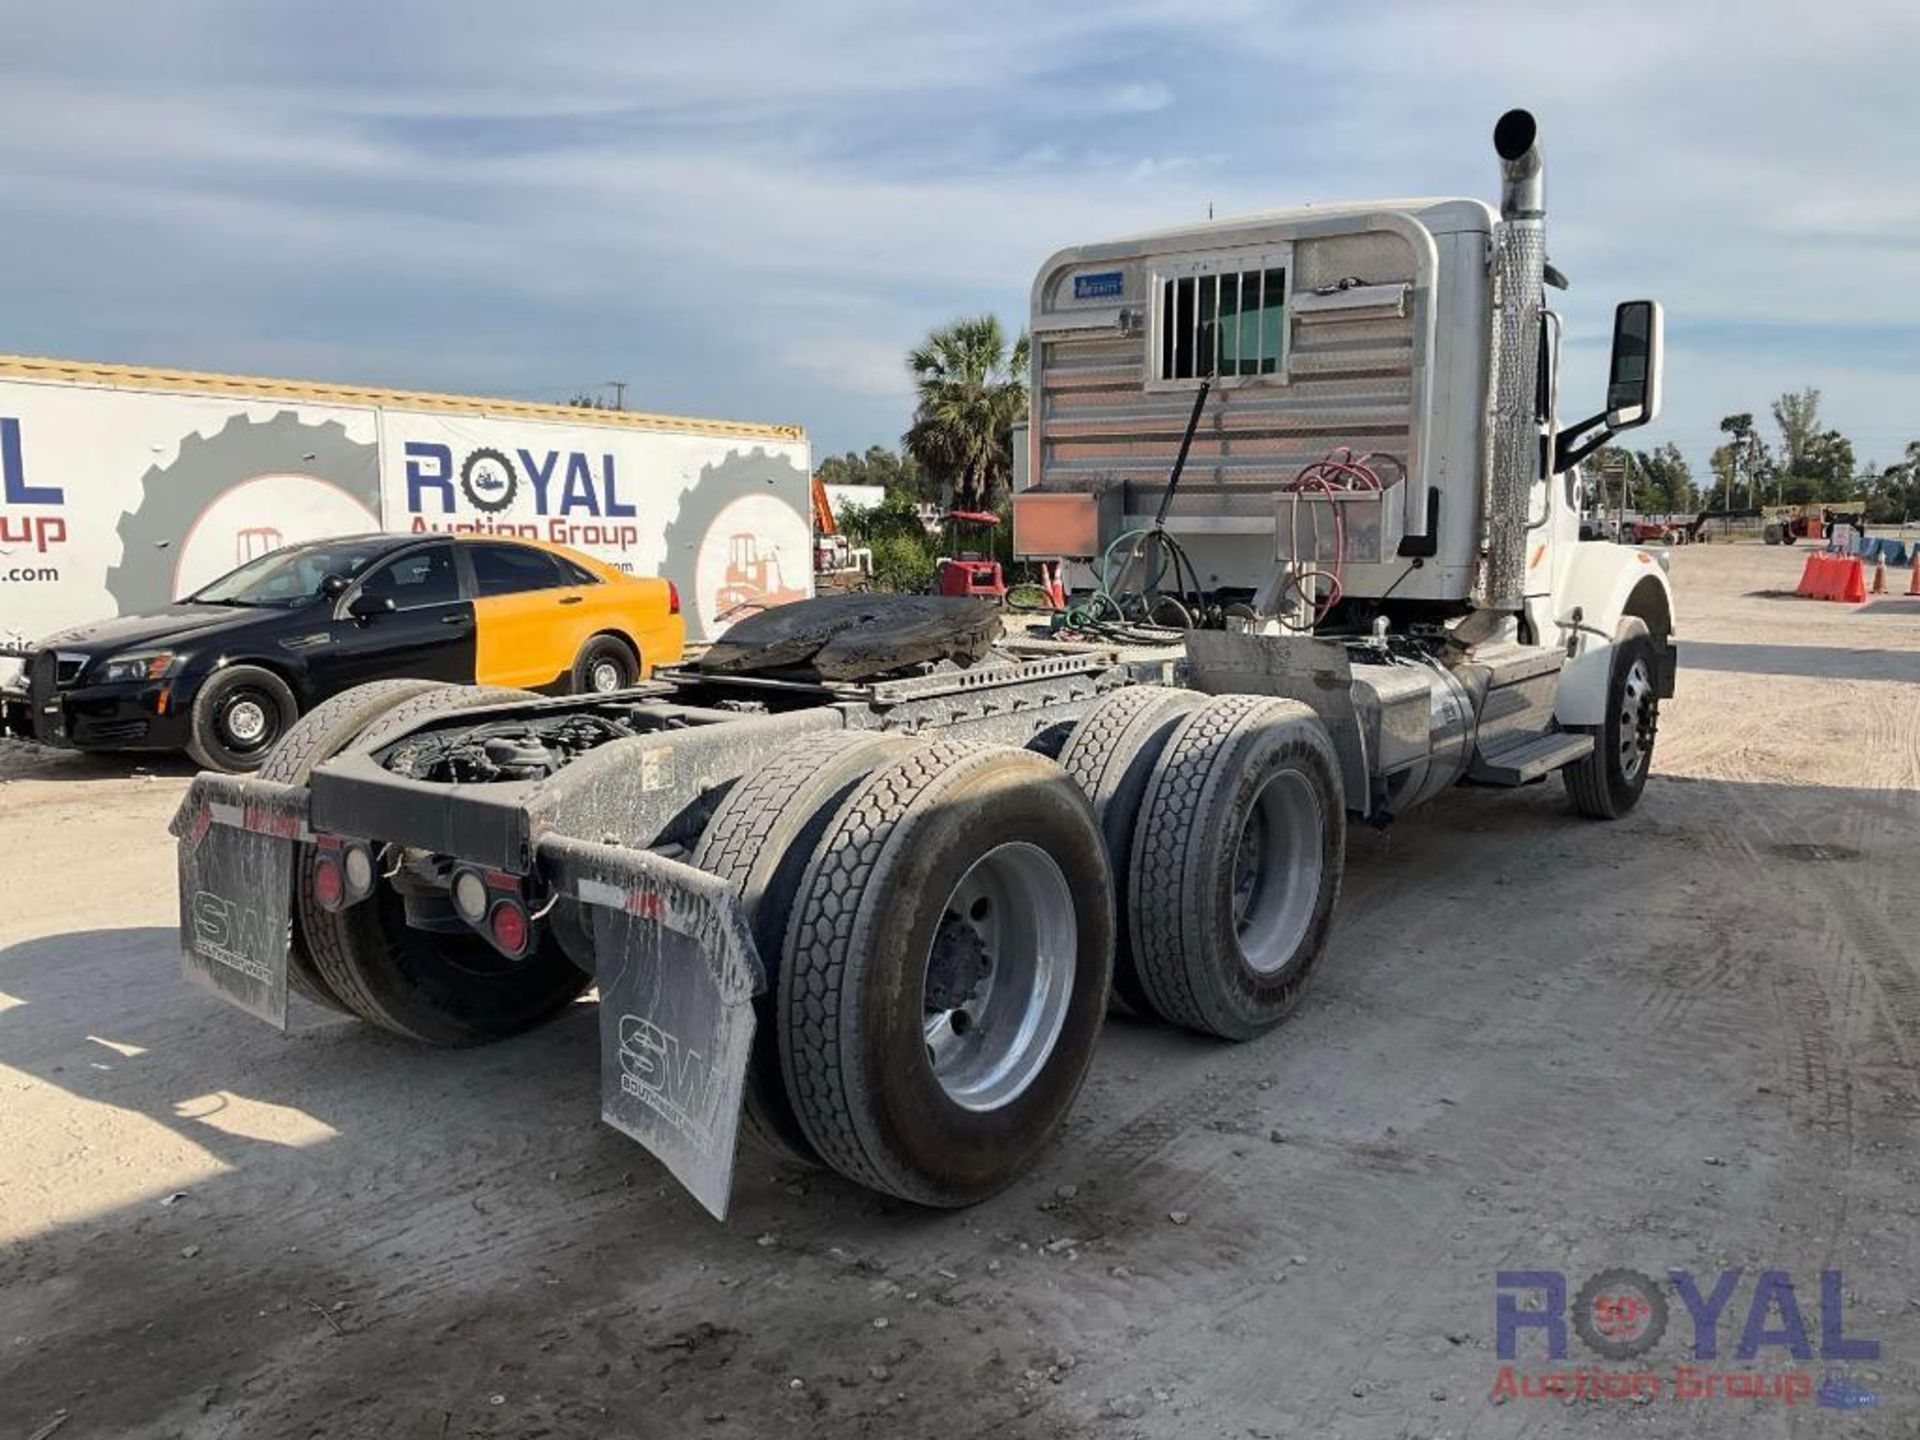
pixel 903 562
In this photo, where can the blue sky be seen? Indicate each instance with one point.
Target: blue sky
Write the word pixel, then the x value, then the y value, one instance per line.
pixel 752 210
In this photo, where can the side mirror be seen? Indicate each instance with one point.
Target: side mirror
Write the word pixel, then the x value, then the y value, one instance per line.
pixel 1633 374
pixel 333 586
pixel 1633 384
pixel 365 606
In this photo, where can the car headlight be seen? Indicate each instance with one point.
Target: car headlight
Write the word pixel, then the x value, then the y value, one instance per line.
pixel 153 665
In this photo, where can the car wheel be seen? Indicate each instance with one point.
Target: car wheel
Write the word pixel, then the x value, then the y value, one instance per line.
pixel 605 664
pixel 238 717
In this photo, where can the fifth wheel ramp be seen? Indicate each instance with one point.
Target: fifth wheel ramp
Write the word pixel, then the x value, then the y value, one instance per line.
pixel 855 637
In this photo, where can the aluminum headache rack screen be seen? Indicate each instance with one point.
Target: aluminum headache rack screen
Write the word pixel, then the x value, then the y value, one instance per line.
pixel 1228 323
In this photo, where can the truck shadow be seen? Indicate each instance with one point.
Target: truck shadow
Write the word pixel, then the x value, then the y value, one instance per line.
pixel 1821 662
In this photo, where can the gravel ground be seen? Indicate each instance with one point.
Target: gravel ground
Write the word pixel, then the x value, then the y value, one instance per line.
pixel 1690 1039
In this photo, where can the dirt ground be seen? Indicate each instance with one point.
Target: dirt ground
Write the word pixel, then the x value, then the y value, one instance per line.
pixel 1687 1040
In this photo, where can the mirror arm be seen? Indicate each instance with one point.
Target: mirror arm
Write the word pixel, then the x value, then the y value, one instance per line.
pixel 1566 454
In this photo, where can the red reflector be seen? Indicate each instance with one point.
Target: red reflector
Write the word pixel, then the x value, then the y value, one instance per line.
pixel 329 886
pixel 509 926
pixel 673 598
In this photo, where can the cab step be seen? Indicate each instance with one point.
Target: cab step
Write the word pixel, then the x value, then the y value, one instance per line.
pixel 1529 757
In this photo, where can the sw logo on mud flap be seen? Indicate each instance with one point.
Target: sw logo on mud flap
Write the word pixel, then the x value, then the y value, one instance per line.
pixel 678 1084
pixel 230 934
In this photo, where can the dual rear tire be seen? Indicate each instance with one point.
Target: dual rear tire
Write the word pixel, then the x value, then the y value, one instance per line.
pixel 443 988
pixel 1226 828
pixel 936 924
pixel 945 972
pixel 940 958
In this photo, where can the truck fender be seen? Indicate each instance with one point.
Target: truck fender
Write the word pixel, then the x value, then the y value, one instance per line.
pixel 1604 590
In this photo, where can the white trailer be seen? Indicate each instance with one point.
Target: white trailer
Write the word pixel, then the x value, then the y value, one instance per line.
pixel 868 872
pixel 123 488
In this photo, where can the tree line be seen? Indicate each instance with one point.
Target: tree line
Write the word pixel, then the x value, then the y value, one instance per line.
pixel 1810 463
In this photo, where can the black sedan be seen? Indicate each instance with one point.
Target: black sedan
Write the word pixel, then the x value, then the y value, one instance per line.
pixel 225 672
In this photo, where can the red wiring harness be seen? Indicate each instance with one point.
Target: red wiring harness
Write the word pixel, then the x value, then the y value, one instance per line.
pixel 1338 472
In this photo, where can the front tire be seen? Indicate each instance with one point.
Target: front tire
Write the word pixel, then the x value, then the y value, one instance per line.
pixel 956 881
pixel 1608 783
pixel 238 717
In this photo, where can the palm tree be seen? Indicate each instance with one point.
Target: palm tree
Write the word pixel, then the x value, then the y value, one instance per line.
pixel 972 390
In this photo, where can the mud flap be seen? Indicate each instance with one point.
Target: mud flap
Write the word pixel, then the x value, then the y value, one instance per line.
pixel 677 973
pixel 238 838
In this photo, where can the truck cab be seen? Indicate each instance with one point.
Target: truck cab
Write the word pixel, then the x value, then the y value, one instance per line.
pixel 1365 403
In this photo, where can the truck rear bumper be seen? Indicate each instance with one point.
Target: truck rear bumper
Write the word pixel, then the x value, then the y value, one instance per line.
pixel 671 949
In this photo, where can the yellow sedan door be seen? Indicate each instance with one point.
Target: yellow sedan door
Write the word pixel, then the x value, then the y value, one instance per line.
pixel 531 618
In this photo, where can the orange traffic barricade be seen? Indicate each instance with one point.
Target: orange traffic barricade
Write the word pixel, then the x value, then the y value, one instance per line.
pixel 1834 577
pixel 1809 587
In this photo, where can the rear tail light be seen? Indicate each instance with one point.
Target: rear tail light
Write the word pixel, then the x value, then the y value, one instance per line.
pixel 343 872
pixel 510 929
pixel 673 598
pixel 490 901
pixel 329 882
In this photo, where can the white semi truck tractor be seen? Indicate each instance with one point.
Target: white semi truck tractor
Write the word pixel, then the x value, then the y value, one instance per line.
pixel 864 879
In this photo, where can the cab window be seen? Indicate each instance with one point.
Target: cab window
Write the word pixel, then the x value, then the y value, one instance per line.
pixel 420 577
pixel 510 569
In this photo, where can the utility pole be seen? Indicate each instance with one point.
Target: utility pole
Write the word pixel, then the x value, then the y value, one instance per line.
pixel 619 393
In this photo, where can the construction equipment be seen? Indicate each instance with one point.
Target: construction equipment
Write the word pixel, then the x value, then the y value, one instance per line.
pixel 866 872
pixel 972 573
pixel 838 564
pixel 1784 524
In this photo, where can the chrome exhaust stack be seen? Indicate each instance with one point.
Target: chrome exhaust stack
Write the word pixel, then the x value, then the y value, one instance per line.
pixel 1519 270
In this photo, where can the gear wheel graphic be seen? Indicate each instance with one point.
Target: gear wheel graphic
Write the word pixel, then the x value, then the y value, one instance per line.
pixel 1617 1331
pixel 754 472
pixel 173 496
pixel 493 504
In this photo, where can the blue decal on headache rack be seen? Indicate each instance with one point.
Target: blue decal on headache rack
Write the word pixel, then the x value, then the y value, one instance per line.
pixel 1107 285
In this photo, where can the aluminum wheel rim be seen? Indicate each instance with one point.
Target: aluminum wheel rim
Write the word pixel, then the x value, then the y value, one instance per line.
pixel 246 721
pixel 604 676
pixel 998 977
pixel 1637 711
pixel 1277 863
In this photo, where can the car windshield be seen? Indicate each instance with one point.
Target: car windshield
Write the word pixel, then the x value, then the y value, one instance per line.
pixel 291 577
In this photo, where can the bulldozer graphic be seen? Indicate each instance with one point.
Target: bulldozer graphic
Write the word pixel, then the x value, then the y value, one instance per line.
pixel 753 581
